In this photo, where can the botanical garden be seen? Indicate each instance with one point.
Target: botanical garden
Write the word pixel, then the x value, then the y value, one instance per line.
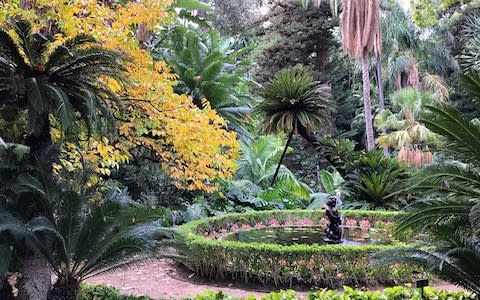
pixel 239 149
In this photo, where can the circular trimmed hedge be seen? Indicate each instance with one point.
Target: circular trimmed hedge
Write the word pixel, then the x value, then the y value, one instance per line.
pixel 314 265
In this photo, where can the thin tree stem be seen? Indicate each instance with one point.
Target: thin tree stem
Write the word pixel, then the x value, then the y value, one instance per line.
pixel 381 97
pixel 367 104
pixel 281 158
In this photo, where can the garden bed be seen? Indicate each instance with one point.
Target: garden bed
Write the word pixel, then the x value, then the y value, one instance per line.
pixel 210 256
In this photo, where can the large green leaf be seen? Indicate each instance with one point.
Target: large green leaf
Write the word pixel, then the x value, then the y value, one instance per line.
pixel 192 4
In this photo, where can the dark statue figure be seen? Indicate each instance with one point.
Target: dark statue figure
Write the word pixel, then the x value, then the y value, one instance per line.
pixel 333 231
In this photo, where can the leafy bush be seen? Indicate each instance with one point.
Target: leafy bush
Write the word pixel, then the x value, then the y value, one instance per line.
pixel 338 152
pixel 375 182
pixel 99 292
pixel 317 265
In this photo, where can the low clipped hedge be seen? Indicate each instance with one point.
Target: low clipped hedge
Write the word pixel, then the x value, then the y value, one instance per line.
pixel 394 293
pixel 313 265
pixel 88 292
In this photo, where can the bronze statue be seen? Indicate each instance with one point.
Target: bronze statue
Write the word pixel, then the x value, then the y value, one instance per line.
pixel 333 231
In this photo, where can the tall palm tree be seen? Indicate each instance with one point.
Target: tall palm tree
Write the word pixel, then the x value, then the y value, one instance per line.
pixel 68 82
pixel 294 103
pixel 360 27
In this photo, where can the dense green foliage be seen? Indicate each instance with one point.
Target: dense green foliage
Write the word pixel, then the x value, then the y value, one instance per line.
pixel 64 82
pixel 375 182
pixel 450 214
pixel 294 36
pixel 210 68
pixel 319 265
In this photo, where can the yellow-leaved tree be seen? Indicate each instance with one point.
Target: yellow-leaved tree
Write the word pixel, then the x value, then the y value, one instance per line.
pixel 192 144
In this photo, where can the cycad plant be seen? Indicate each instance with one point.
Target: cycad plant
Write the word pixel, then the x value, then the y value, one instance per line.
pixel 40 82
pixel 88 238
pixel 294 103
pixel 210 69
pixel 451 212
pixel 69 82
pixel 375 182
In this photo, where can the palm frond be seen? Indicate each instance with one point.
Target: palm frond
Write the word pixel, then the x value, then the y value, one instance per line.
pixel 462 136
pixel 293 100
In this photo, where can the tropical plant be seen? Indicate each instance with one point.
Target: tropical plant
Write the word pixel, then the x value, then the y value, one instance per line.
pixel 451 212
pixel 66 82
pixel 338 152
pixel 258 164
pixel 361 34
pixel 402 125
pixel 88 238
pixel 375 182
pixel 211 70
pixel 294 103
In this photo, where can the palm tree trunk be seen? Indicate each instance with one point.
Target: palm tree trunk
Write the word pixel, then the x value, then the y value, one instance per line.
pixel 36 274
pixel 36 278
pixel 381 97
pixel 64 289
pixel 367 104
pixel 281 158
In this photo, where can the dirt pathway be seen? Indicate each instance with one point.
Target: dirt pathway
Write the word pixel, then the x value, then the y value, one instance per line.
pixel 161 279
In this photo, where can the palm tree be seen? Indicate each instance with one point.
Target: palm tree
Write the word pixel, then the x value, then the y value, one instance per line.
pixel 68 82
pixel 403 124
pixel 294 103
pixel 451 213
pixel 360 27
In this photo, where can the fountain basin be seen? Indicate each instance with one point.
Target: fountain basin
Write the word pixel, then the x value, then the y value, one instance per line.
pixel 285 247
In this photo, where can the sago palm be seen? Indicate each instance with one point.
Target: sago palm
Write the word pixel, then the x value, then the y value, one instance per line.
pixel 68 82
pixel 88 238
pixel 294 103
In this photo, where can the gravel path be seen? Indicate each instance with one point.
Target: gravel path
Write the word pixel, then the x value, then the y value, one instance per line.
pixel 161 279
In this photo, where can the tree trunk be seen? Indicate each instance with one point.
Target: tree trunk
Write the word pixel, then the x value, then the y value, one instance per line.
pixel 36 278
pixel 281 158
pixel 322 55
pixel 36 274
pixel 381 97
pixel 64 290
pixel 367 104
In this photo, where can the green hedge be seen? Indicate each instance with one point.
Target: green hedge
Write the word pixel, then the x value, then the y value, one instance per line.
pixel 101 292
pixel 395 293
pixel 314 265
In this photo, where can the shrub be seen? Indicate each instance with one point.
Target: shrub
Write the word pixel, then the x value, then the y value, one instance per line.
pixel 100 292
pixel 375 182
pixel 317 265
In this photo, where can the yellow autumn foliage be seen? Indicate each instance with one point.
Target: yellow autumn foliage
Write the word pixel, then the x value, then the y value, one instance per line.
pixel 193 145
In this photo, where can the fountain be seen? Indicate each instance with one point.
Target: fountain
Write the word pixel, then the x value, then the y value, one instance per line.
pixel 333 231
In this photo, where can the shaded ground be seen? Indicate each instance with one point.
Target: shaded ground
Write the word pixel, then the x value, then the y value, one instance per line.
pixel 164 279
